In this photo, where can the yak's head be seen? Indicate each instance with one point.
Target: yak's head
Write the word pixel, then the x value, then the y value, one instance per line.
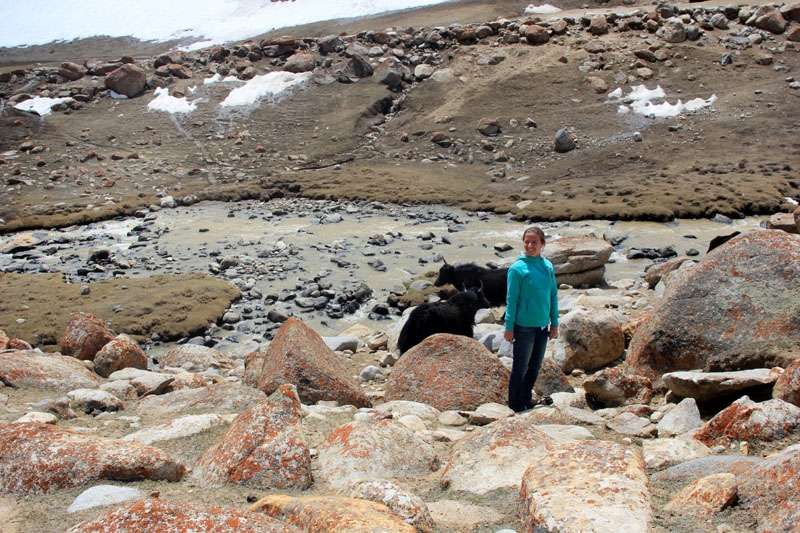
pixel 447 274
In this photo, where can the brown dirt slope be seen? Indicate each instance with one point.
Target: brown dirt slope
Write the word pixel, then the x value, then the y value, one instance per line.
pixel 342 141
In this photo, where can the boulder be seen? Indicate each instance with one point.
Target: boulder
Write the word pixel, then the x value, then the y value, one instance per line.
pixel 787 386
pixel 706 496
pixel 298 355
pixel 586 486
pixel 746 420
pixel 263 447
pixel 611 387
pixel 154 513
pixel 222 396
pixel 741 297
pixel 708 386
pixel 402 502
pixel 375 447
pixel 37 458
pixel 449 372
pixel 128 80
pixel 495 456
pixel 578 261
pixel 332 513
pixel 588 340
pixel 194 357
pixel 120 352
pixel 772 491
pixel 84 336
pixel 299 63
pixel 30 369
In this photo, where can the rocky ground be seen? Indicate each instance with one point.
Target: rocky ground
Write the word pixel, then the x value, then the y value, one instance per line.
pixel 100 158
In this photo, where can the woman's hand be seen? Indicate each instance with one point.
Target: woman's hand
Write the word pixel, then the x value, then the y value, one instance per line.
pixel 553 332
pixel 509 336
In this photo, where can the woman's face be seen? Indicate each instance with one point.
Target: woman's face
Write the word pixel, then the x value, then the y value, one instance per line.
pixel 533 244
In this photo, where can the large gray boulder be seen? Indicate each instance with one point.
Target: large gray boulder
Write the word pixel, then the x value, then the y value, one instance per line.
pixel 738 304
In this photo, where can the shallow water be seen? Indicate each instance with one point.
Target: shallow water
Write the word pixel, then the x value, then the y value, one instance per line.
pixel 286 245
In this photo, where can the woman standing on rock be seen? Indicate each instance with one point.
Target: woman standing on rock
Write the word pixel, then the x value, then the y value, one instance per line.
pixel 531 317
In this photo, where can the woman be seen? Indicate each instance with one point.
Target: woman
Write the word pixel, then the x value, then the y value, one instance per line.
pixel 531 317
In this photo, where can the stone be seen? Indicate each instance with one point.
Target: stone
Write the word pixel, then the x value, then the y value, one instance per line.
pixel 588 340
pixel 128 80
pixel 707 386
pixel 298 355
pixel 84 336
pixel 120 352
pixel 263 447
pixel 448 372
pixel 706 496
pixel 586 486
pixel 31 369
pixel 746 420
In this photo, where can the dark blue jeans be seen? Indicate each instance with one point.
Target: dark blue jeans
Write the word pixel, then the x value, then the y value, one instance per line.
pixel 529 348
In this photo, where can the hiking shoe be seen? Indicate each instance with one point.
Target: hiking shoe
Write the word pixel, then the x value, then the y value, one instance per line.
pixel 544 400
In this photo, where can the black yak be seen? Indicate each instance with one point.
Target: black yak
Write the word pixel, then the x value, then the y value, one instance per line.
pixel 455 315
pixel 493 281
pixel 719 240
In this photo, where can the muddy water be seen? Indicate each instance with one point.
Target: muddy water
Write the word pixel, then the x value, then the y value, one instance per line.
pixel 283 246
pixel 345 244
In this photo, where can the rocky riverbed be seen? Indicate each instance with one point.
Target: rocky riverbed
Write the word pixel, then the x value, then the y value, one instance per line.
pixel 287 258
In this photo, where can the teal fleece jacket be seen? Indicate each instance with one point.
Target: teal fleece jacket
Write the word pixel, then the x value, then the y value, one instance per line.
pixel 532 297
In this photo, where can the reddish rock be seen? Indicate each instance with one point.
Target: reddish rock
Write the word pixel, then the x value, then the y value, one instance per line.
pixel 740 295
pixel 27 369
pixel 586 486
pixel 747 420
pixel 194 357
pixel 38 458
pixel 120 352
pixel 299 356
pixel 504 450
pixel 299 63
pixel 787 386
pixel 772 491
pixel 263 446
pixel 84 336
pixel 128 80
pixel 160 515
pixel 706 496
pixel 449 372
pixel 375 448
pixel 611 387
pixel 332 513
pixel 536 34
